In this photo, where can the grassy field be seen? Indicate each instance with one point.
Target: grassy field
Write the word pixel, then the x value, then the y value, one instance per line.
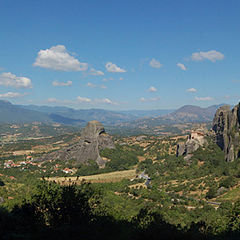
pixel 98 178
pixel 232 195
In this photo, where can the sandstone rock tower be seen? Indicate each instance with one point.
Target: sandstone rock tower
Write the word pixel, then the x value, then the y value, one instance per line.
pixel 226 127
pixel 93 139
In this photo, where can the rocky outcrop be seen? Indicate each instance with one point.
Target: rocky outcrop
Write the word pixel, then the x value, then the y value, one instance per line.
pixel 93 139
pixel 226 127
pixel 195 140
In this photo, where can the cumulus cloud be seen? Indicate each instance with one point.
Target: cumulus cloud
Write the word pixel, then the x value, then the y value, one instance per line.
pixel 61 84
pixel 52 100
pixel 212 55
pixel 57 58
pixel 152 89
pixel 142 99
pixel 10 80
pixel 95 86
pixel 59 101
pixel 12 95
pixel 95 101
pixel 105 100
pixel 191 90
pixel 91 85
pixel 108 79
pixel 83 99
pixel 203 98
pixel 155 63
pixel 182 66
pixel 111 67
pixel 95 72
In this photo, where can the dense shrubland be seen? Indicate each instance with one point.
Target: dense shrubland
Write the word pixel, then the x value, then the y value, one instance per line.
pixel 174 206
pixel 89 212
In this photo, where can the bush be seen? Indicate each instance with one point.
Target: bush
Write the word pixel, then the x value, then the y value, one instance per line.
pixel 212 192
pixel 90 169
pixel 1 183
pixel 121 157
pixel 228 182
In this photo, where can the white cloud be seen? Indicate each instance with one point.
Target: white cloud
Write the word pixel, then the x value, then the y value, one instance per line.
pixel 10 80
pixel 55 100
pixel 108 79
pixel 191 90
pixel 61 84
pixel 105 100
pixel 95 86
pixel 12 95
pixel 142 99
pixel 52 100
pixel 152 89
pixel 83 99
pixel 111 67
pixel 203 98
pixel 155 63
pixel 212 55
pixel 91 85
pixel 57 58
pixel 182 66
pixel 95 72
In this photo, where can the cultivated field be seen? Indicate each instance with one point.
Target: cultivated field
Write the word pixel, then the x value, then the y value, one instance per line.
pixel 98 178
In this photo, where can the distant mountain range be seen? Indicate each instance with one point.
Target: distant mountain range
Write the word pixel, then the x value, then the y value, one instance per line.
pixel 10 113
pixel 105 116
pixel 185 114
pixel 190 113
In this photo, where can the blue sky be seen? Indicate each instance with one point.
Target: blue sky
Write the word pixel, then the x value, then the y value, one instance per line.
pixel 120 54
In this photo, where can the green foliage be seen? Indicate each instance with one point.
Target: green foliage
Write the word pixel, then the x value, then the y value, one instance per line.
pixel 228 182
pixel 211 155
pixel 54 204
pixel 212 192
pixel 122 157
pixel 89 169
pixel 234 217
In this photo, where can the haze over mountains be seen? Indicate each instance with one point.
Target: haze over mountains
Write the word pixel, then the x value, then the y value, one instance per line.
pixel 10 113
pixel 185 114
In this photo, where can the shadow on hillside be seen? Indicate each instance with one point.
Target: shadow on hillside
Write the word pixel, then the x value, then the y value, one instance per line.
pixel 63 212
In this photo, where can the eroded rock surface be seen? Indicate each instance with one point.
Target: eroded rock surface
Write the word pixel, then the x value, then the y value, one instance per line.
pixel 195 140
pixel 226 127
pixel 93 139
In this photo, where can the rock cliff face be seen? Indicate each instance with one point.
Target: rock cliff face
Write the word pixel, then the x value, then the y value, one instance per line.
pixel 191 145
pixel 187 148
pixel 93 139
pixel 226 127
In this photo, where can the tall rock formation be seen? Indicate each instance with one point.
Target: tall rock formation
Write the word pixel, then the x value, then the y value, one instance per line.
pixel 226 127
pixel 93 139
pixel 195 140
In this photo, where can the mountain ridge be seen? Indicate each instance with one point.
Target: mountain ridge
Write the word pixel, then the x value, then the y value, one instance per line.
pixel 11 113
pixel 185 114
